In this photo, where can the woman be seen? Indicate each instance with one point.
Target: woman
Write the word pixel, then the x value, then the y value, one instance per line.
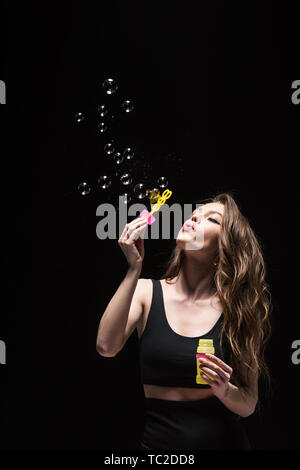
pixel 214 288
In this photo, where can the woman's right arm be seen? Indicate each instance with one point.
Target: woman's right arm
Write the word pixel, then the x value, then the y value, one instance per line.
pixel 126 306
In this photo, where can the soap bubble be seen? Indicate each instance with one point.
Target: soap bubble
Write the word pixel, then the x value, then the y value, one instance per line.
pixel 128 106
pixel 109 148
pixel 140 190
pixel 162 182
pixel 104 181
pixel 118 158
pixel 84 188
pixel 102 127
pixel 102 110
pixel 126 179
pixel 128 153
pixel 125 198
pixel 110 86
pixel 79 117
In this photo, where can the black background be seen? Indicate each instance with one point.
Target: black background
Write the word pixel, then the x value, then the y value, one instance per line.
pixel 211 85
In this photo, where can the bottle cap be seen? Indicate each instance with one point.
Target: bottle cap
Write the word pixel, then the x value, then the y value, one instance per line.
pixel 209 343
pixel 206 346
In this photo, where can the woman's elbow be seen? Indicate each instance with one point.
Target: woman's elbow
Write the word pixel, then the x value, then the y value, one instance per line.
pixel 103 352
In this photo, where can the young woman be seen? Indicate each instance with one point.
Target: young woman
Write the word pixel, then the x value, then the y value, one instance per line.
pixel 214 288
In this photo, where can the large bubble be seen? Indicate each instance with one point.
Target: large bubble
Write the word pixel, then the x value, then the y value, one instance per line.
pixel 140 190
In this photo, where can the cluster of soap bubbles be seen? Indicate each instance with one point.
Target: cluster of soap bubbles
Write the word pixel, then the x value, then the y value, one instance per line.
pixel 120 159
pixel 110 87
pixel 125 177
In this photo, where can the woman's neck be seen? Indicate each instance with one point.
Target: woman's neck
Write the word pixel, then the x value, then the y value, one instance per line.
pixel 196 279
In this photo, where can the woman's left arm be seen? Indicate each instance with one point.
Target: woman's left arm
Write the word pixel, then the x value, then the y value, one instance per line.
pixel 234 398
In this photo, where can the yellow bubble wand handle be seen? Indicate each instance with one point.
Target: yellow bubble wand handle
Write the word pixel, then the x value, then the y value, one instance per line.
pixel 160 201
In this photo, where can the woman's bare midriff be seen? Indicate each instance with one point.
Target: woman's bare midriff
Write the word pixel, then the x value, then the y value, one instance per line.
pixel 189 329
pixel 175 393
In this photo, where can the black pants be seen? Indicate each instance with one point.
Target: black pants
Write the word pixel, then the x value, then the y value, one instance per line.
pixel 185 425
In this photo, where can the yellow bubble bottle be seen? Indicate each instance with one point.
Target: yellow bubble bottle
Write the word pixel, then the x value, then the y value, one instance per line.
pixel 204 346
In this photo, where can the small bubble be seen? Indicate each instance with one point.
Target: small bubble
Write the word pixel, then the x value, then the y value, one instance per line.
pixel 102 109
pixel 140 190
pixel 128 153
pixel 102 127
pixel 118 158
pixel 126 179
pixel 84 188
pixel 125 198
pixel 110 86
pixel 162 182
pixel 79 117
pixel 128 106
pixel 109 148
pixel 104 181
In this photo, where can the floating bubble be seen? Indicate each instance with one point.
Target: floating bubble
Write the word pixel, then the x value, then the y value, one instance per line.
pixel 128 153
pixel 128 106
pixel 110 86
pixel 125 198
pixel 140 190
pixel 84 188
pixel 109 148
pixel 102 127
pixel 102 110
pixel 162 182
pixel 118 158
pixel 126 179
pixel 104 181
pixel 79 117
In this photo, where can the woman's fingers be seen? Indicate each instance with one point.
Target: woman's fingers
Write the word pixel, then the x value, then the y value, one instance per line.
pixel 219 362
pixel 217 376
pixel 207 379
pixel 136 233
pixel 209 365
pixel 141 221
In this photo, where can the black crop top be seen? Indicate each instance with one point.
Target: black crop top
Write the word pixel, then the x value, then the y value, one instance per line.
pixel 167 358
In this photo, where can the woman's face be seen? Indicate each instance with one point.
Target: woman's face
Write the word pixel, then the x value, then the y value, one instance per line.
pixel 201 231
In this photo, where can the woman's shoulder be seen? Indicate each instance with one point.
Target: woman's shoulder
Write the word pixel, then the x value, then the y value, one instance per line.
pixel 144 286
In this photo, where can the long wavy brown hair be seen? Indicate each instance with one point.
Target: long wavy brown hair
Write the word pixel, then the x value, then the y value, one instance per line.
pixel 240 283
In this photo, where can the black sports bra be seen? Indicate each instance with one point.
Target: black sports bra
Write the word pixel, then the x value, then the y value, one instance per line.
pixel 167 358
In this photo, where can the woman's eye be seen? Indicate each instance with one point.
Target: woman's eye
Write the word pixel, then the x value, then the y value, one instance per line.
pixel 214 220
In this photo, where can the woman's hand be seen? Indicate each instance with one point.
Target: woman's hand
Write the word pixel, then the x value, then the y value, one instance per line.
pixel 132 243
pixel 219 372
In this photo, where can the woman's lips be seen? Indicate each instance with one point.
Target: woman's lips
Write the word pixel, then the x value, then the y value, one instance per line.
pixel 188 228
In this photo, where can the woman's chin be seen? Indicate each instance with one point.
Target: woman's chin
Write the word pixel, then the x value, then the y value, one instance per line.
pixel 184 238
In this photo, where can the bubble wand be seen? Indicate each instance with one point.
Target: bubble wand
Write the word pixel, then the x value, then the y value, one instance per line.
pixel 160 201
